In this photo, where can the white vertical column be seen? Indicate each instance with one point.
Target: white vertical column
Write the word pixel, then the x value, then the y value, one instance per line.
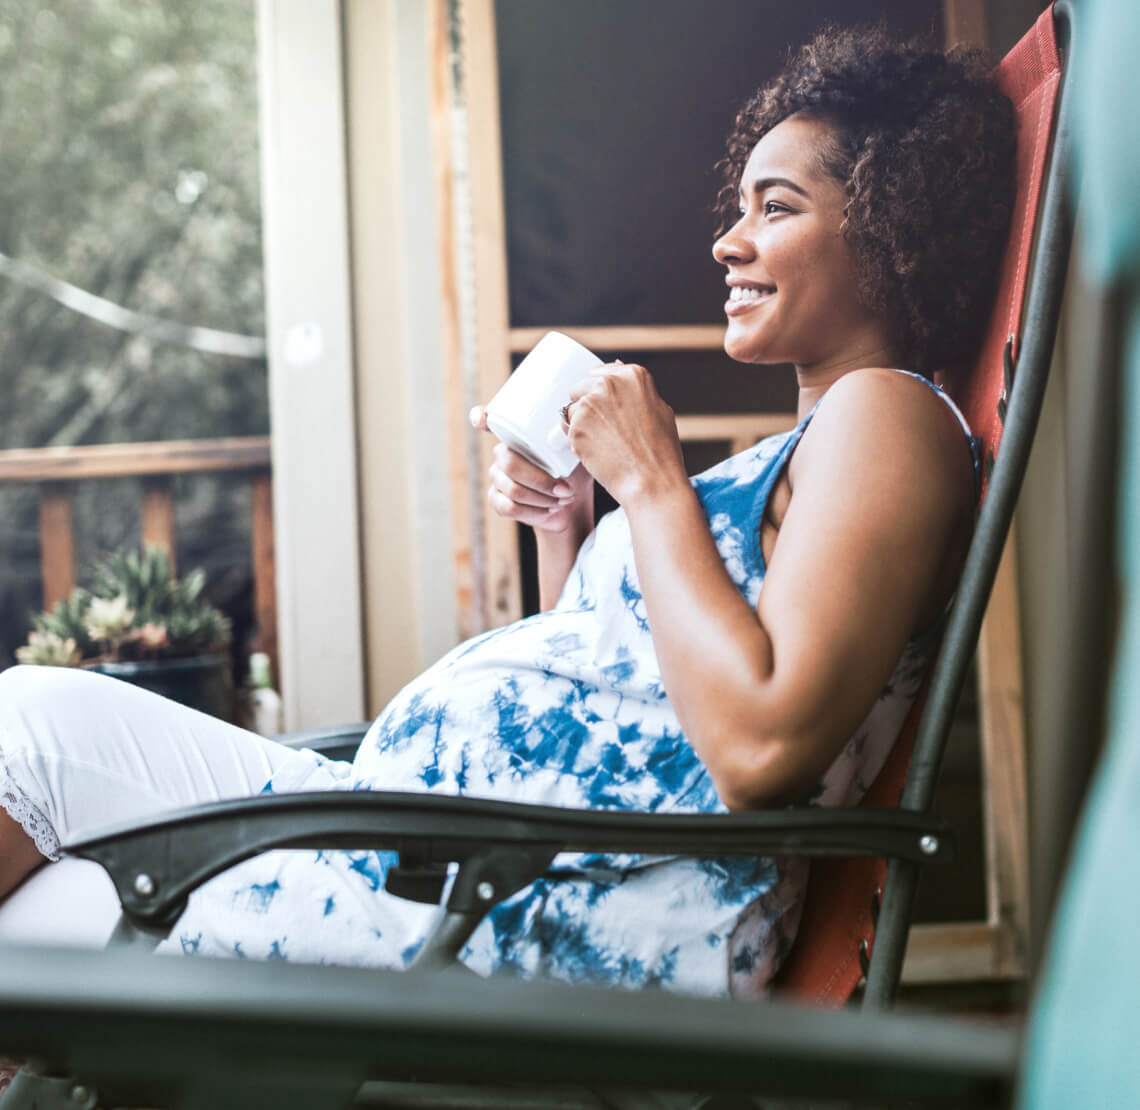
pixel 311 386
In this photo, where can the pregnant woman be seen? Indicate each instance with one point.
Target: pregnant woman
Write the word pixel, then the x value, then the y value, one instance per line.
pixel 743 639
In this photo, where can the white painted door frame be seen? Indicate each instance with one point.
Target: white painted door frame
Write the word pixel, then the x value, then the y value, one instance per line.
pixel 311 375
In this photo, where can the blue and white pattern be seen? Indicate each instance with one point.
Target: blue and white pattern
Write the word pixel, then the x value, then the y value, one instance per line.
pixel 564 708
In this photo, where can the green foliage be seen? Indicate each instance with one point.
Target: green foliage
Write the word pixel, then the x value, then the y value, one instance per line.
pixel 144 580
pixel 45 649
pixel 134 610
pixel 67 620
pixel 129 167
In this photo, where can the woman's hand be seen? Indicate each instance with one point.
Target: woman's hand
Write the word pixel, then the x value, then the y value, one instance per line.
pixel 521 491
pixel 560 510
pixel 624 433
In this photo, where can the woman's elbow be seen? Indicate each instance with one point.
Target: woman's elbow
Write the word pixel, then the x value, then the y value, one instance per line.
pixel 761 774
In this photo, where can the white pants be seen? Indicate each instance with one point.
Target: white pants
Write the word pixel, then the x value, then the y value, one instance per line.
pixel 80 751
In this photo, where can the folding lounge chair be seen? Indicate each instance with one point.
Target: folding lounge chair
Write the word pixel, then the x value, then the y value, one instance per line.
pixel 360 1025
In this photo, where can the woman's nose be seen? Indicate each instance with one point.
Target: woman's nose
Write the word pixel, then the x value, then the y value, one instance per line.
pixel 733 246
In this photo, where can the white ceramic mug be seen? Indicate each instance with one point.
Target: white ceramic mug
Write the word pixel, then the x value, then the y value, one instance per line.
pixel 526 413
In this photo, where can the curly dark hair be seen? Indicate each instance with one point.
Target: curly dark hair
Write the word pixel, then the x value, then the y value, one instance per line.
pixel 924 146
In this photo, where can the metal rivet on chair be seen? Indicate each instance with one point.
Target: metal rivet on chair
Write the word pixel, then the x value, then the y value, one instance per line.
pixel 145 885
pixel 864 956
pixel 485 890
pixel 876 904
pixel 928 845
pixel 80 1094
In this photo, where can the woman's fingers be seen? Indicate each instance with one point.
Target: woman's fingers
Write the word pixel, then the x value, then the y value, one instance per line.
pixel 592 380
pixel 554 519
pixel 622 430
pixel 522 491
pixel 524 473
pixel 519 494
pixel 518 479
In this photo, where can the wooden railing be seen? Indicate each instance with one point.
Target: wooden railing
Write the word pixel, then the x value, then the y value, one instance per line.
pixel 56 470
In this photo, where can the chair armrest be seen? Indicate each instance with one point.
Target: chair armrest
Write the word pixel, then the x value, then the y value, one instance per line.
pixel 145 1026
pixel 156 864
pixel 334 741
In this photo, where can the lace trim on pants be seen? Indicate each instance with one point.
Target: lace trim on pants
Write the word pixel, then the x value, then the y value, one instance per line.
pixel 27 814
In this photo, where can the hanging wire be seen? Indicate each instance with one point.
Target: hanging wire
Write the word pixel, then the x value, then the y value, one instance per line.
pixel 135 323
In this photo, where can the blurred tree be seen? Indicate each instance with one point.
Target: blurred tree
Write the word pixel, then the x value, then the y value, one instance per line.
pixel 129 168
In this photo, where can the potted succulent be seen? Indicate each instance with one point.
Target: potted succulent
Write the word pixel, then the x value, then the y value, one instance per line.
pixel 139 623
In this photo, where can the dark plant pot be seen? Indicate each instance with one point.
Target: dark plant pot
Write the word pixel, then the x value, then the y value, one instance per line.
pixel 202 682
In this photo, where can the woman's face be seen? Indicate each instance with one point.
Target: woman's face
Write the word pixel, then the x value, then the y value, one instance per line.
pixel 791 274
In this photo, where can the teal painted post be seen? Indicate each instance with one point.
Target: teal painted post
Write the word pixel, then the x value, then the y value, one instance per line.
pixel 1082 1044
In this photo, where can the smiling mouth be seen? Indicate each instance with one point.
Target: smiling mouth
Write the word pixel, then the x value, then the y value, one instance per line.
pixel 741 298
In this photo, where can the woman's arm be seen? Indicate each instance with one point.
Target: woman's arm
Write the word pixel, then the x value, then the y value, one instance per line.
pixel 558 545
pixel 881 485
pixel 561 511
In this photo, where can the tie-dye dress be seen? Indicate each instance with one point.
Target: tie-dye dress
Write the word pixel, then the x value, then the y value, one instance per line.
pixel 563 708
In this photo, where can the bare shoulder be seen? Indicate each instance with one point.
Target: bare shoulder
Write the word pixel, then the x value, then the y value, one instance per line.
pixel 895 403
pixel 895 424
pixel 885 472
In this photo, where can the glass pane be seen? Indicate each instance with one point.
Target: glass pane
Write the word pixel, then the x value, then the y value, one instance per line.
pixel 128 170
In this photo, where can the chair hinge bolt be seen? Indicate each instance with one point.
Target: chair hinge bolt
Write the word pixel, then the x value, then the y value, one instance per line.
pixel 486 891
pixel 145 885
pixel 928 844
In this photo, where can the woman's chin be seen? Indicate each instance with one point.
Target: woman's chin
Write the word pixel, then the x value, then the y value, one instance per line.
pixel 742 349
pixel 746 343
pixel 736 346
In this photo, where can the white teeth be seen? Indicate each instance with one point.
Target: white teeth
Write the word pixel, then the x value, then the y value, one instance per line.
pixel 741 293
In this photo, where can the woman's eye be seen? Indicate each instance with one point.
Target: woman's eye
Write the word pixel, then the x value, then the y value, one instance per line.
pixel 772 208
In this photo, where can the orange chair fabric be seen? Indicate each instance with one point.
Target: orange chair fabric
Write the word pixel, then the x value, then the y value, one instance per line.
pixel 824 966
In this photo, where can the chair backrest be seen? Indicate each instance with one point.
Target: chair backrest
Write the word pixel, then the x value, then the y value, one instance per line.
pixel 845 897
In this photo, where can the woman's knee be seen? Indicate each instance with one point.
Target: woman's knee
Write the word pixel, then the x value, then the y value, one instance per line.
pixel 51 712
pixel 25 685
pixel 43 705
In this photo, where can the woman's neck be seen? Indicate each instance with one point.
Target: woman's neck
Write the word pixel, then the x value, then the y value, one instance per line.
pixel 814 381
